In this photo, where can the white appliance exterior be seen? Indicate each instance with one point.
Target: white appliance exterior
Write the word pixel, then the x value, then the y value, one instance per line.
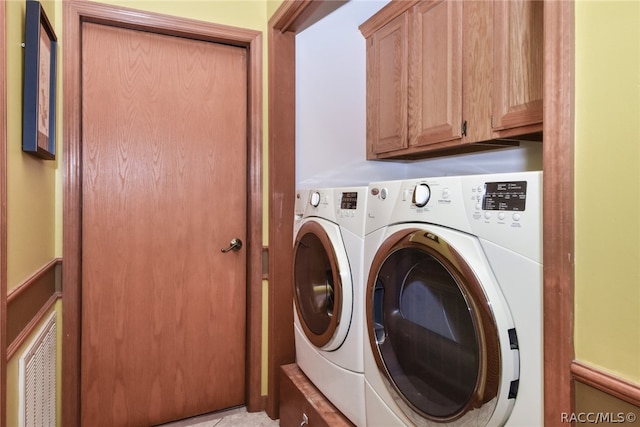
pixel 504 250
pixel 337 367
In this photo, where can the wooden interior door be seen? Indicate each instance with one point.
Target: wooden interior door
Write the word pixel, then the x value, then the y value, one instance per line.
pixel 164 140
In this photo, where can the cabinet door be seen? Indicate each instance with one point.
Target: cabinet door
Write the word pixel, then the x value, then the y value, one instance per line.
pixel 435 72
pixel 387 73
pixel 518 38
pixel 477 69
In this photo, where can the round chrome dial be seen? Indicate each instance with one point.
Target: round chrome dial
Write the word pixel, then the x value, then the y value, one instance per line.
pixel 315 199
pixel 421 195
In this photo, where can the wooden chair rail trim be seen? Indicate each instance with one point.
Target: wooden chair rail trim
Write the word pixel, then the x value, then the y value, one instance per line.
pixel 32 325
pixel 27 303
pixel 24 286
pixel 606 382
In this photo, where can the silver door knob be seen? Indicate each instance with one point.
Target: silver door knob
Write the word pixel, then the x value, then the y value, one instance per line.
pixel 234 245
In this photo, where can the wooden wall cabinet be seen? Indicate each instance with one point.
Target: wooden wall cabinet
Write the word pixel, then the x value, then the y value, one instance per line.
pixel 518 56
pixel 387 86
pixel 435 73
pixel 447 76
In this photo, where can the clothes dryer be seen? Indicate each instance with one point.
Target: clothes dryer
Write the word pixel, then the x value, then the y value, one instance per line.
pixel 454 301
pixel 329 294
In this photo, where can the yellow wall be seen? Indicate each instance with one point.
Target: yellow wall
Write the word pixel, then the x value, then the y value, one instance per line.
pixel 31 210
pixel 30 181
pixel 31 184
pixel 607 174
pixel 272 6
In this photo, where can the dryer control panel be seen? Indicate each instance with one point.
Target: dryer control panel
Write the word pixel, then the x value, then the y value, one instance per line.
pixel 503 208
pixel 505 196
pixel 507 210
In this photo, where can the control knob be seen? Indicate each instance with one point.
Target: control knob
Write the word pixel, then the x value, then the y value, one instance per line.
pixel 315 199
pixel 421 195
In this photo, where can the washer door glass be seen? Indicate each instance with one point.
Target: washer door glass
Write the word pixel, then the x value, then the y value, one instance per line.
pixel 431 329
pixel 318 286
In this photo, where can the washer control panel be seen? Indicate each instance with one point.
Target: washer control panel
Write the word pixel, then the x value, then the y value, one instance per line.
pixel 348 200
pixel 342 205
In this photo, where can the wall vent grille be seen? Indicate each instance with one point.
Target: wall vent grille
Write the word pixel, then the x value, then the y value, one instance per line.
pixel 38 379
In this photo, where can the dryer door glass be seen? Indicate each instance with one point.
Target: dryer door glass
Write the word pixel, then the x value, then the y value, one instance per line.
pixel 430 331
pixel 317 285
pixel 429 344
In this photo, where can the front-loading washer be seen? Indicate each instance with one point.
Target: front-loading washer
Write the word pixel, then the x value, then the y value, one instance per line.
pixel 329 294
pixel 453 303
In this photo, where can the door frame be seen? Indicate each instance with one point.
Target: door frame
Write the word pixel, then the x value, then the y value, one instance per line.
pixel 75 14
pixel 3 214
pixel 558 199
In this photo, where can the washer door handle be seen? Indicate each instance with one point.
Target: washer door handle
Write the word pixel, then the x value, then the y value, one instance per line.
pixel 234 245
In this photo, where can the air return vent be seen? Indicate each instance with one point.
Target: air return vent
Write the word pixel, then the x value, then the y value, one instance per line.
pixel 38 378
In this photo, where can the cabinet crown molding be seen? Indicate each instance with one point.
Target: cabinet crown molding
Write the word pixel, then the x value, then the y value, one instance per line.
pixel 384 15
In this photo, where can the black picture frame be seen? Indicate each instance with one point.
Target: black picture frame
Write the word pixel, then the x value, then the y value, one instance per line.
pixel 39 109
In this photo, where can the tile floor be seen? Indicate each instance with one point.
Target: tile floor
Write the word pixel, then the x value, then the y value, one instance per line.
pixel 237 417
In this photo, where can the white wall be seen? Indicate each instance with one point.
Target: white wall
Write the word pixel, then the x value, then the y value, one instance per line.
pixel 331 113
